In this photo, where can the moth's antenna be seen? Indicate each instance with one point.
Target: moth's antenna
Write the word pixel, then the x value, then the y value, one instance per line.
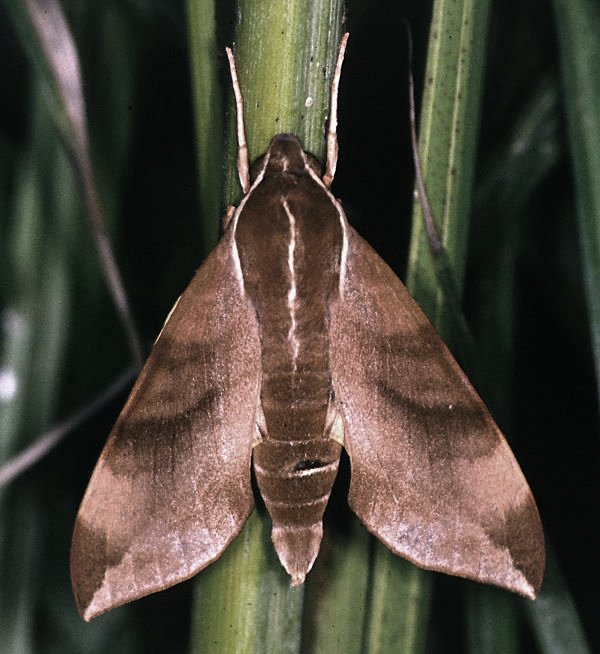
pixel 332 141
pixel 243 165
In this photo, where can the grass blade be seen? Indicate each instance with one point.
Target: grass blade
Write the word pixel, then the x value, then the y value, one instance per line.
pixel 448 133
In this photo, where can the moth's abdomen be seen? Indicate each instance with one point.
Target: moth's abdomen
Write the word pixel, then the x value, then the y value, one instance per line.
pixel 295 391
pixel 295 478
pixel 296 463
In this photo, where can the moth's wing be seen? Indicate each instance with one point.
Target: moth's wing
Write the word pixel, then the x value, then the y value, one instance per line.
pixel 431 474
pixel 172 486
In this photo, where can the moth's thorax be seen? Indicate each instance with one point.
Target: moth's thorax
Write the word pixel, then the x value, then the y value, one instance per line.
pixel 289 241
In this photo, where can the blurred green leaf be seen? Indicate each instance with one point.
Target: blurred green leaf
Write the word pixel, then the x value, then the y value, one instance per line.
pixel 61 343
pixel 35 320
pixel 554 615
pixel 578 28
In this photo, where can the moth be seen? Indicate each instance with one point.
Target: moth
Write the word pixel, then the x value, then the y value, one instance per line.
pixel 294 339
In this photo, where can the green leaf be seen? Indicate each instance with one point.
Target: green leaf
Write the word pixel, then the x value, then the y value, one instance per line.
pixel 448 133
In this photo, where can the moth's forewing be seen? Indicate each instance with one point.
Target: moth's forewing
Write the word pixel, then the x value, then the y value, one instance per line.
pixel 172 486
pixel 431 474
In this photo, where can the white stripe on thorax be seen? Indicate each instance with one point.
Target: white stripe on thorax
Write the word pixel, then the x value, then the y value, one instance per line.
pixel 292 293
pixel 237 265
pixel 342 218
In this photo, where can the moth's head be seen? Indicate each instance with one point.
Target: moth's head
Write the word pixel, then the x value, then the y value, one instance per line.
pixel 285 155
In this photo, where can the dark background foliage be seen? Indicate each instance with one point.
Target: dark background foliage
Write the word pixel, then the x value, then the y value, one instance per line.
pixel 135 64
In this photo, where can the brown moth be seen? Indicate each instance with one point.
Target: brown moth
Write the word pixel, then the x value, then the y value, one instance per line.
pixel 293 340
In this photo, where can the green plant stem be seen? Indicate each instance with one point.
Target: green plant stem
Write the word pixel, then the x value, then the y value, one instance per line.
pixel 244 602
